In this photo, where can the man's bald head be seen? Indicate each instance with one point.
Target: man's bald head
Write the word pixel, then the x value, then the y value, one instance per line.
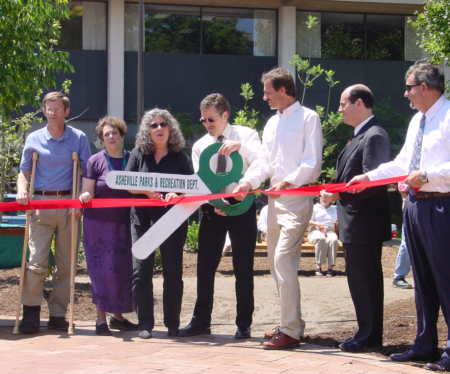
pixel 359 91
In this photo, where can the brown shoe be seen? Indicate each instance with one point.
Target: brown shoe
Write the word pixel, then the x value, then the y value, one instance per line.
pixel 271 334
pixel 281 341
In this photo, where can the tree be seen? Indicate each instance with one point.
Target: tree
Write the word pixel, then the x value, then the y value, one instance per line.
pixel 434 31
pixel 29 33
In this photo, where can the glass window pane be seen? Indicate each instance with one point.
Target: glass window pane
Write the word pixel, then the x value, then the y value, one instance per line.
pixel 342 36
pixel 385 37
pixel 308 39
pixel 72 28
pixel 172 29
pixel 264 33
pixel 227 31
pixel 94 26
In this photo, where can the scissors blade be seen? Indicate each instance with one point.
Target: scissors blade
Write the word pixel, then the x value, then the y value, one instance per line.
pixel 163 228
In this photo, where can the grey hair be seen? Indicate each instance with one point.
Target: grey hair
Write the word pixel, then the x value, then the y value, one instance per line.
pixel 143 139
pixel 425 72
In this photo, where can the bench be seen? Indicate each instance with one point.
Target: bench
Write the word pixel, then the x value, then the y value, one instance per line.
pixel 306 246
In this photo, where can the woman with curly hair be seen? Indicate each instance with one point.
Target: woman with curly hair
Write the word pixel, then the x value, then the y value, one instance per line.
pixel 107 236
pixel 159 144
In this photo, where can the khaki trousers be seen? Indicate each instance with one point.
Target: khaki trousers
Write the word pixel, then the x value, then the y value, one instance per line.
pixel 287 220
pixel 325 246
pixel 43 224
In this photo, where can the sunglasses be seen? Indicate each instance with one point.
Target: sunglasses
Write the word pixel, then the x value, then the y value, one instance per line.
pixel 155 125
pixel 211 120
pixel 410 86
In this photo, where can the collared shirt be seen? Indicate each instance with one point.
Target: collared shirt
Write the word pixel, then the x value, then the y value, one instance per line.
pixel 54 167
pixel 291 149
pixel 325 216
pixel 250 148
pixel 361 125
pixel 435 156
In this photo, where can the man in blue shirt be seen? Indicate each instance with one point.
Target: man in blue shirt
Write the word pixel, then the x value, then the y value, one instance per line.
pixel 54 144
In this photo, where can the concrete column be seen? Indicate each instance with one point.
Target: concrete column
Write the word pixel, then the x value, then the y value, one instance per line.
pixel 116 57
pixel 286 37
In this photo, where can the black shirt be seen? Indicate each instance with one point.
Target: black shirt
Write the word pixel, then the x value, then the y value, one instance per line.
pixel 172 163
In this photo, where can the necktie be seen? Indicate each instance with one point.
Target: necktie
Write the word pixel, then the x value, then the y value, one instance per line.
pixel 222 160
pixel 415 160
pixel 417 152
pixel 351 138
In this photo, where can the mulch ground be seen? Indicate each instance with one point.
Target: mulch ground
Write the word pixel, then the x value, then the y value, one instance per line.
pixel 399 317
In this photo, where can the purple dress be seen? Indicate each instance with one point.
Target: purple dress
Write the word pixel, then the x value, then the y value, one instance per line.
pixel 107 241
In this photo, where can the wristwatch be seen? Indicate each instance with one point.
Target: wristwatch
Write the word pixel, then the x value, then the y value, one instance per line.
pixel 424 177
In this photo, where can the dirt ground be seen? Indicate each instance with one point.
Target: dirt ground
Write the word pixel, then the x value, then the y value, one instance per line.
pixel 326 303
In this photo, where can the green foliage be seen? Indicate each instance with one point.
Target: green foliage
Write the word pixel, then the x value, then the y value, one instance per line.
pixel 29 32
pixel 192 237
pixel 395 124
pixel 306 74
pixel 157 264
pixel 222 37
pixel 433 27
pixel 247 117
pixel 191 129
pixel 338 42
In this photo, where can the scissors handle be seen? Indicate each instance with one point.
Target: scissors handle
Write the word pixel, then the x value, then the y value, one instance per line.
pixel 215 182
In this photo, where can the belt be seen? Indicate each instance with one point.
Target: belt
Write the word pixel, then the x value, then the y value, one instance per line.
pixel 53 193
pixel 430 195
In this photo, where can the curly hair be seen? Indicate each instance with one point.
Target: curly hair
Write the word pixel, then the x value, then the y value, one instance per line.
pixel 114 122
pixel 143 139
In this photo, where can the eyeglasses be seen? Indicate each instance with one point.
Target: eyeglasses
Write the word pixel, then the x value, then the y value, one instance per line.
pixel 53 110
pixel 211 120
pixel 155 125
pixel 410 86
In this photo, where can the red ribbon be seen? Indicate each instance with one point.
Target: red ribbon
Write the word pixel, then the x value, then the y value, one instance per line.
pixel 117 203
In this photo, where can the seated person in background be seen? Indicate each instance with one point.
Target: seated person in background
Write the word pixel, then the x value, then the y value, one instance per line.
pixel 262 220
pixel 322 235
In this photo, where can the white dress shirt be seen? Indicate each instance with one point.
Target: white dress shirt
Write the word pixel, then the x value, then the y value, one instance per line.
pixel 291 149
pixel 435 157
pixel 325 216
pixel 262 220
pixel 250 149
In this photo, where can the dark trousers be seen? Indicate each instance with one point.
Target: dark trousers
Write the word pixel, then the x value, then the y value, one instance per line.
pixel 427 226
pixel 211 240
pixel 172 264
pixel 365 281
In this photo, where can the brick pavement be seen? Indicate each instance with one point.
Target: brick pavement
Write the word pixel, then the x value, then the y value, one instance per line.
pixel 86 353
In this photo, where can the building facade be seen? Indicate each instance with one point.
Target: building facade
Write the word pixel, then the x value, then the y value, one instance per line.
pixel 193 48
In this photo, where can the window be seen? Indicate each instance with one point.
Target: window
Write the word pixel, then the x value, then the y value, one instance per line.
pixel 356 36
pixel 202 30
pixel 85 28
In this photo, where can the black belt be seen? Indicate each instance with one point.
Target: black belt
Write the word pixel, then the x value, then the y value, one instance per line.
pixel 53 193
pixel 430 195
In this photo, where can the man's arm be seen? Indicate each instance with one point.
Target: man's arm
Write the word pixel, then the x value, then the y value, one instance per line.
pixel 22 188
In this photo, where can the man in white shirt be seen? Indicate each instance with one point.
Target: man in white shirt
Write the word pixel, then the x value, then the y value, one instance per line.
pixel 215 224
pixel 262 220
pixel 425 157
pixel 291 157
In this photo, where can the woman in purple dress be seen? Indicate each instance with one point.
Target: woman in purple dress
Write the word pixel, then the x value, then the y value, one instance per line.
pixel 107 235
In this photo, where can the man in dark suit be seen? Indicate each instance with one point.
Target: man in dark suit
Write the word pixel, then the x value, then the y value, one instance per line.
pixel 364 218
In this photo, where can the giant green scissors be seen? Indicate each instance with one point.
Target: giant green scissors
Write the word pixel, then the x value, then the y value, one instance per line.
pixel 205 182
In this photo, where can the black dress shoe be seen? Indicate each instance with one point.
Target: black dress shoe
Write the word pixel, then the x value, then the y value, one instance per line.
pixel 173 331
pixel 438 365
pixel 401 283
pixel 243 333
pixel 124 325
pixel 192 330
pixel 412 356
pixel 102 329
pixel 349 340
pixel 351 346
pixel 58 323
